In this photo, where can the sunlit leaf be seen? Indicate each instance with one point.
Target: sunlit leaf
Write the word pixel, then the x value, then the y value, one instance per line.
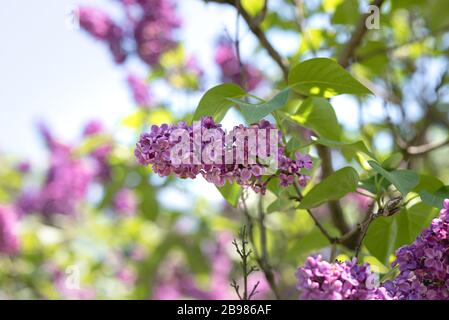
pixel 325 78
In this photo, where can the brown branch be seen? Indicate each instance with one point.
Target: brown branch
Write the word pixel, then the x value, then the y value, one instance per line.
pixel 244 254
pixel 426 148
pixel 359 32
pixel 263 264
pixel 315 220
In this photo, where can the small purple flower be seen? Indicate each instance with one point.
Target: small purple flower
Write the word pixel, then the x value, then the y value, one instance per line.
pixel 304 161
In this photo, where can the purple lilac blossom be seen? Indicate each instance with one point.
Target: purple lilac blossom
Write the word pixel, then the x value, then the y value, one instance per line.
pixel 155 148
pixel 321 280
pixel 153 33
pixel 65 185
pixel 24 166
pixel 230 68
pixel 93 127
pixel 100 25
pixel 140 90
pixel 424 264
pixel 125 202
pixel 9 240
pixel 100 155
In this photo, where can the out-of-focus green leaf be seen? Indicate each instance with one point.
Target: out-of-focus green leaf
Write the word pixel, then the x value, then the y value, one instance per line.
pixel 255 112
pixel 404 235
pixel 347 13
pixel 325 78
pixel 215 101
pixel 420 215
pixel 303 246
pixel 428 183
pixel 349 148
pixel 403 180
pixel 231 193
pixel 393 161
pixel 334 187
pixel 253 7
pixel 318 115
pixel 436 198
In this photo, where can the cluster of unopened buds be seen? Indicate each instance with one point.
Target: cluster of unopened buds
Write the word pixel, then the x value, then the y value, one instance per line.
pixel 244 155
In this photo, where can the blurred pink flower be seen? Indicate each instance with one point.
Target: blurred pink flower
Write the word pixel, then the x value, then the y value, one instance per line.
pixel 9 240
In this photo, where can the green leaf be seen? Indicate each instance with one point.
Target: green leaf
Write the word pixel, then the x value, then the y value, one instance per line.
pixel 347 13
pixel 403 180
pixel 381 238
pixel 435 199
pixel 334 187
pixel 325 78
pixel 253 7
pixel 303 246
pixel 420 215
pixel 404 235
pixel 215 101
pixel 231 193
pixel 255 112
pixel 318 115
pixel 349 148
pixel 393 161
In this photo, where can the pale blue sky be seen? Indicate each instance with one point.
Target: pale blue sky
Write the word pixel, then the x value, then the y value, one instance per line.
pixel 50 72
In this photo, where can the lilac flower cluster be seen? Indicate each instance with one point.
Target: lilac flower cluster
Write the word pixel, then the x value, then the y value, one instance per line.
pixel 321 280
pixel 66 182
pixel 153 32
pixel 100 155
pixel 231 71
pixel 99 24
pixel 424 264
pixel 149 24
pixel 9 240
pixel 155 148
pixel 140 90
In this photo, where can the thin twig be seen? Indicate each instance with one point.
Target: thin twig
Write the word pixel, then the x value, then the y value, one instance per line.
pixel 253 25
pixel 426 148
pixel 348 52
pixel 317 222
pixel 244 254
